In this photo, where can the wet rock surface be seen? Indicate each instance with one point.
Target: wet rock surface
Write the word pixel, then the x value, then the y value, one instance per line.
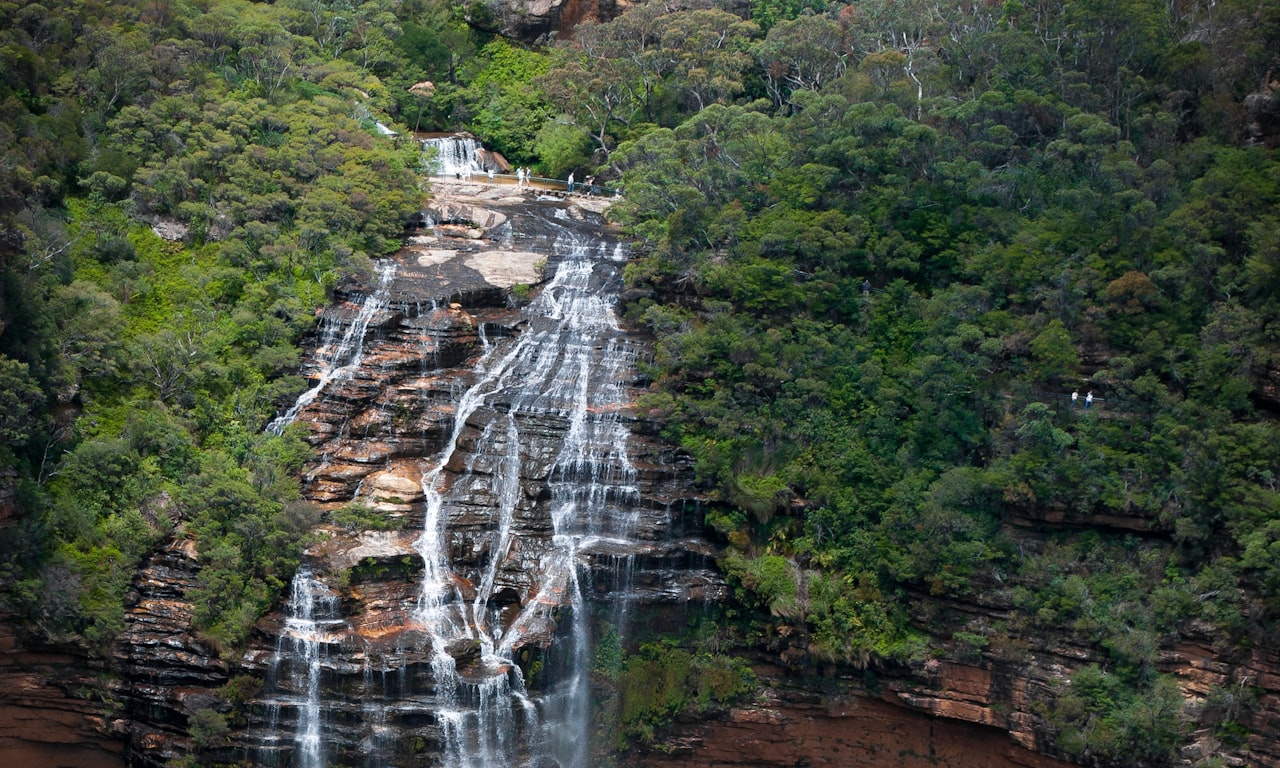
pixel 376 434
pixel 445 317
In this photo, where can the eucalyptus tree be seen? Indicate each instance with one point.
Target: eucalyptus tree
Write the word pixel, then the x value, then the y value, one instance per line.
pixel 612 76
pixel 803 54
pixel 711 51
pixel 900 34
pixel 595 91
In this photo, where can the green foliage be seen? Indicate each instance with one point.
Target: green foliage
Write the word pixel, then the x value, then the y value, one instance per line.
pixel 661 681
pixel 770 579
pixel 561 149
pixel 239 692
pixel 506 113
pixel 250 541
pixel 374 569
pixel 357 517
pixel 139 372
pixel 20 397
pixel 1044 224
pixel 207 728
pixel 1053 355
pixel 1036 198
pixel 1101 714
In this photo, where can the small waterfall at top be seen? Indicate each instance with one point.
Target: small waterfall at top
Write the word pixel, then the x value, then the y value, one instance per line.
pixel 456 156
pixel 341 355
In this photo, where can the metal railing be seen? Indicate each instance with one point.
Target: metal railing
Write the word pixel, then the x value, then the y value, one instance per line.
pixel 539 184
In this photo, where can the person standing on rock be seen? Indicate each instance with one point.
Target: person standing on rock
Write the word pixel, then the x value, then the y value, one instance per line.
pixel 569 183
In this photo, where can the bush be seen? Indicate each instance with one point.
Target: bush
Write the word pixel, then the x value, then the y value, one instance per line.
pixel 1102 714
pixel 660 681
pixel 207 728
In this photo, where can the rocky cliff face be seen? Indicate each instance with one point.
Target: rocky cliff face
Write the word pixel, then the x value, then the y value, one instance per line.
pixel 959 708
pixel 834 722
pixel 376 429
pixel 55 706
pixel 538 21
pixel 1263 110
pixel 165 674
pixel 352 656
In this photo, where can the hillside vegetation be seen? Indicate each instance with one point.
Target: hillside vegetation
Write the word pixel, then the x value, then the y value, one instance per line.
pixel 139 372
pixel 878 265
pixel 880 245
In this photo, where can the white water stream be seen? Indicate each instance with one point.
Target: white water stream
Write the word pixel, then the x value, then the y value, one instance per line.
pixel 342 344
pixel 455 156
pixel 566 367
pixel 535 443
pixel 312 626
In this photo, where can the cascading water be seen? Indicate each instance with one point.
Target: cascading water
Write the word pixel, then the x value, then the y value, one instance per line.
pixel 566 368
pixel 455 156
pixel 341 355
pixel 312 626
pixel 531 517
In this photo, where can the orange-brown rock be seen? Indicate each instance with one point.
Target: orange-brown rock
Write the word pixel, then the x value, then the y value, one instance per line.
pixel 535 20
pixel 53 707
pixel 793 726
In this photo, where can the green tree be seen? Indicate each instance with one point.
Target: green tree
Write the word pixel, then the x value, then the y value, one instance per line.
pixel 711 53
pixel 800 54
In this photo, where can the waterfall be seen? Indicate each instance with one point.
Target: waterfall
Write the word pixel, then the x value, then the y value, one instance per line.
pixel 455 156
pixel 525 529
pixel 340 356
pixel 566 368
pixel 312 626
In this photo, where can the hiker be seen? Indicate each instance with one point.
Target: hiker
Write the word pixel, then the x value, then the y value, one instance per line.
pixel 569 183
pixel 591 185
pixel 1088 399
pixel 1075 396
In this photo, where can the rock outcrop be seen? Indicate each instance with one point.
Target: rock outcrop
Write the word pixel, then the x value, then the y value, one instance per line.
pixel 165 673
pixel 376 429
pixel 537 21
pixel 835 723
pixel 1263 110
pixel 56 706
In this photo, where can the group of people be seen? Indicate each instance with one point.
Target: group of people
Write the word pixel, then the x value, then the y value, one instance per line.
pixel 587 187
pixel 1088 398
pixel 524 175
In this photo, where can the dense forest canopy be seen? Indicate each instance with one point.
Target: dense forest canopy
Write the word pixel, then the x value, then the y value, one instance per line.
pixel 880 245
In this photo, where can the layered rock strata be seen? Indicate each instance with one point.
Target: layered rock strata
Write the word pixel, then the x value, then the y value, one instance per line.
pixel 379 431
pixel 832 723
pixel 55 706
pixel 375 432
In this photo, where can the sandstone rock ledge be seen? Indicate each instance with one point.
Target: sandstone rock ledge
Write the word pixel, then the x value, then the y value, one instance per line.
pixel 795 726
pixel 44 719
